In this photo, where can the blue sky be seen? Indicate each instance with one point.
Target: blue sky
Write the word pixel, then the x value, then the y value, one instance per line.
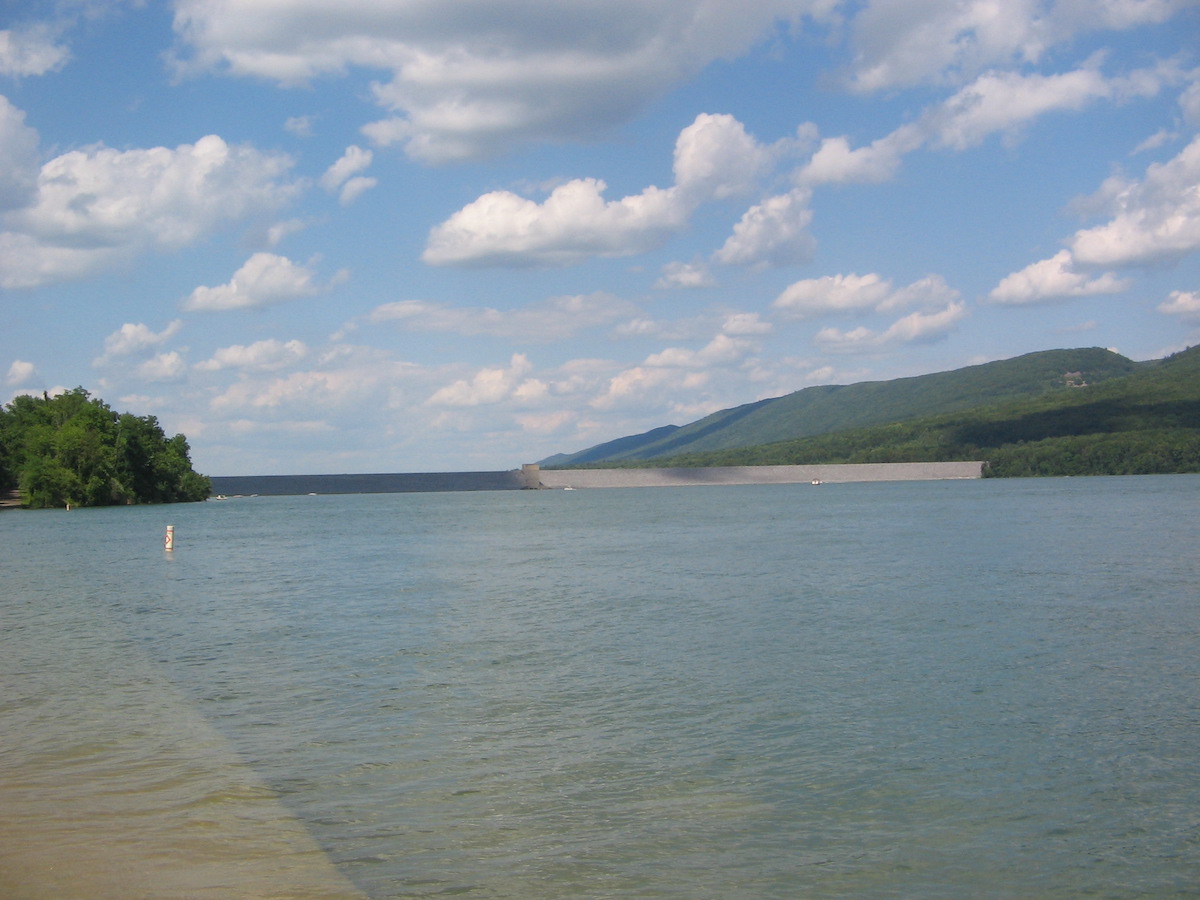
pixel 467 234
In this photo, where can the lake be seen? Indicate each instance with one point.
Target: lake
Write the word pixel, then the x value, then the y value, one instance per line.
pixel 984 689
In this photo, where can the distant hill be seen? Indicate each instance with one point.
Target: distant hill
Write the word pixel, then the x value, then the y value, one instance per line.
pixel 1144 422
pixel 832 408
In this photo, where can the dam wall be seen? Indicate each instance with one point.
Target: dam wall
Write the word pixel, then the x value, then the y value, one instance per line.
pixel 831 474
pixel 532 477
pixel 380 483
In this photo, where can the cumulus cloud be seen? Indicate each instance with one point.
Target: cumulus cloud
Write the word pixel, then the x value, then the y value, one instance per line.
pixel 856 294
pixel 280 230
pixel 334 389
pixel 472 79
pixel 901 44
pixel 135 338
pixel 722 350
pixel 773 232
pixel 18 158
pixel 264 355
pixel 916 327
pixel 163 367
pixel 836 162
pixel 1189 103
pixel 666 377
pixel 96 206
pixel 714 158
pixel 1182 303
pixel 1154 220
pixel 343 178
pixel 685 275
pixel 355 188
pixel 20 373
pixel 300 126
pixel 833 294
pixel 1005 101
pixel 573 224
pixel 1051 279
pixel 745 324
pixel 554 319
pixel 264 280
pixel 33 50
pixel 644 386
pixel 492 385
pixel 996 102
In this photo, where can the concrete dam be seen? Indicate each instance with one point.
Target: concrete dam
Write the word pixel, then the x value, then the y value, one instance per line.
pixel 536 477
pixel 533 477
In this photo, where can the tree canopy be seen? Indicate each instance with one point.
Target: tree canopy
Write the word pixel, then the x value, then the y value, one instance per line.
pixel 74 449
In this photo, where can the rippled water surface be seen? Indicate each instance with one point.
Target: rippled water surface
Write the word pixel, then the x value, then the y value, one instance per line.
pixel 944 689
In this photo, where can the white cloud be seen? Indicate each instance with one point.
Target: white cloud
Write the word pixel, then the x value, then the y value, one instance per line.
pixel 555 422
pixel 132 339
pixel 995 102
pixel 856 294
pixel 355 188
pixel 1156 140
pixel 280 230
pixel 928 293
pixel 554 319
pixel 1053 278
pixel 341 175
pixel 1189 103
pixel 722 350
pixel 1004 101
pixel 833 294
pixel 745 324
pixel 685 275
pixel 573 224
pixel 714 158
pixel 638 386
pixel 261 355
pixel 97 206
pixel 31 51
pixel 773 232
pixel 164 367
pixel 835 162
pixel 337 389
pixel 18 158
pixel 916 327
pixel 300 126
pixel 1154 220
pixel 264 280
pixel 491 385
pixel 901 43
pixel 20 373
pixel 470 80
pixel 1182 303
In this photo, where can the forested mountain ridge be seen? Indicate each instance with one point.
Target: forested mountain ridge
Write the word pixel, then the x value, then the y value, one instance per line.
pixel 830 408
pixel 75 450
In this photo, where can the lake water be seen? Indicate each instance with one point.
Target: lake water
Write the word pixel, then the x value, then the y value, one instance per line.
pixel 981 689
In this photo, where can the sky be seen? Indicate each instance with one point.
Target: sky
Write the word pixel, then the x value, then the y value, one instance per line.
pixel 461 235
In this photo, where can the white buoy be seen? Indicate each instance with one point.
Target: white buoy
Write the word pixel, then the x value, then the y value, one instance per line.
pixel 169 542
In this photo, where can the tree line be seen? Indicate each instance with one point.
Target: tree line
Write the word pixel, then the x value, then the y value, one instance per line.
pixel 73 449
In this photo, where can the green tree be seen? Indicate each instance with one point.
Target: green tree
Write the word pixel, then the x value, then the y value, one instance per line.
pixel 73 449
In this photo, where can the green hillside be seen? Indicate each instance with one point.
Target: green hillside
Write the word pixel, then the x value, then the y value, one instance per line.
pixel 1142 423
pixel 834 408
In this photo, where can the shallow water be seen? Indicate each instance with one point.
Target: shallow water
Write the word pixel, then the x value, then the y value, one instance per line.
pixel 940 689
